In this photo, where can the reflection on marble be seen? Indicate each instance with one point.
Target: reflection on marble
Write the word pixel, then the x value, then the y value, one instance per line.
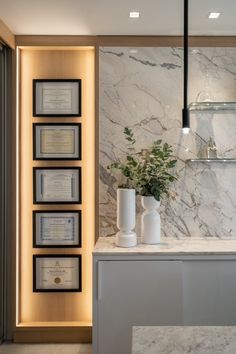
pixel 142 89
pixel 170 246
pixel 183 340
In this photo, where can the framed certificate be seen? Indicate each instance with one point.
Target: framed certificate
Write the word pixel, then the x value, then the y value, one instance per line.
pixel 56 141
pixel 53 273
pixel 60 185
pixel 57 98
pixel 56 229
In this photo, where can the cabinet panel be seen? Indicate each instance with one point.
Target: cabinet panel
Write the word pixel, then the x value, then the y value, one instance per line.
pixel 136 293
pixel 209 293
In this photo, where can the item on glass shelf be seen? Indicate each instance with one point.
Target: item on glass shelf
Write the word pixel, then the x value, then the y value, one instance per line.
pixel 211 150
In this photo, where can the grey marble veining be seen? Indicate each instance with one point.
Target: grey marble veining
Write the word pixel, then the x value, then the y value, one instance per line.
pixel 142 88
pixel 169 246
pixel 184 340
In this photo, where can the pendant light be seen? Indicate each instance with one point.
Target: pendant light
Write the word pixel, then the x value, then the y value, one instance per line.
pixel 185 110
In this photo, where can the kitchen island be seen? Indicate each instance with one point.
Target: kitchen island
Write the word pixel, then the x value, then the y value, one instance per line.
pixel 184 340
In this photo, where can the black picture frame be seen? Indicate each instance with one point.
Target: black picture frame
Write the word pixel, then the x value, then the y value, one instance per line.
pixel 77 201
pixel 48 290
pixel 77 125
pixel 54 212
pixel 37 82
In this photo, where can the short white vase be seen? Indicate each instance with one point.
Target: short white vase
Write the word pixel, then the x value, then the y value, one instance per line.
pixel 150 221
pixel 126 213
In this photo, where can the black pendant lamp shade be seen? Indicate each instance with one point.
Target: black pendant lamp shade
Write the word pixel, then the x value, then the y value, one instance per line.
pixel 185 110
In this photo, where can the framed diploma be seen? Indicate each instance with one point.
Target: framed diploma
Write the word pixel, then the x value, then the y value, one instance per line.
pixel 53 273
pixel 57 98
pixel 56 229
pixel 56 141
pixel 60 185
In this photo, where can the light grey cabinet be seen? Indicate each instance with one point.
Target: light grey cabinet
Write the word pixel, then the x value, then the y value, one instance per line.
pixel 129 293
pixel 146 290
pixel 209 292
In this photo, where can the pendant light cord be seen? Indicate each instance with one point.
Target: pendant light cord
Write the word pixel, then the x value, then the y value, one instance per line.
pixel 185 54
pixel 185 111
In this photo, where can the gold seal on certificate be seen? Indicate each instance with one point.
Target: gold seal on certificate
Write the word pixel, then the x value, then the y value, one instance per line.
pixel 57 228
pixel 56 273
pixel 57 280
pixel 61 185
pixel 57 98
pixel 57 141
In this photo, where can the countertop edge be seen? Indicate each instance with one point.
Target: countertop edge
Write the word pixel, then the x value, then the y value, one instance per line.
pixel 177 253
pixel 105 246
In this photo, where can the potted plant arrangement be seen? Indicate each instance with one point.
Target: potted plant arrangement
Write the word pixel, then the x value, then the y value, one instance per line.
pixel 149 172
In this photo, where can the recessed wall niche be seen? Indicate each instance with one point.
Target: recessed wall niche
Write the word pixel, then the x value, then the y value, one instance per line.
pixel 52 310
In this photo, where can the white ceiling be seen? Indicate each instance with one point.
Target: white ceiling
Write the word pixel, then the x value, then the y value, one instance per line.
pixel 110 17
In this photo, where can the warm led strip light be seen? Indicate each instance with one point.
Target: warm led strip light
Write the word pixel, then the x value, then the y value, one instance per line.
pixel 17 185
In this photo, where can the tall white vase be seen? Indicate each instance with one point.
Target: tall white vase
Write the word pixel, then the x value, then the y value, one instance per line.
pixel 151 221
pixel 126 212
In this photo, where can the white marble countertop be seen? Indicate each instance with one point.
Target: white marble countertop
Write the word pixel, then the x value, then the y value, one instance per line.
pixel 183 340
pixel 169 246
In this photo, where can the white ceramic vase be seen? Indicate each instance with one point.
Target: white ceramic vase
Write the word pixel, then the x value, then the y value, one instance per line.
pixel 150 222
pixel 126 213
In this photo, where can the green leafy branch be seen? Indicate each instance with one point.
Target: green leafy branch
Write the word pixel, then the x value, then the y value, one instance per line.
pixel 149 171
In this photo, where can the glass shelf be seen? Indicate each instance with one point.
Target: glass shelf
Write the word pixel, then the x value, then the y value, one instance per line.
pixel 220 160
pixel 212 107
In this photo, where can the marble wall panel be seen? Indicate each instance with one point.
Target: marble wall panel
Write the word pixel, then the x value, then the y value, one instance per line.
pixel 143 88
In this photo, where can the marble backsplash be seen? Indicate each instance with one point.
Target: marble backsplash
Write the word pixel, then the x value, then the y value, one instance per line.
pixel 143 88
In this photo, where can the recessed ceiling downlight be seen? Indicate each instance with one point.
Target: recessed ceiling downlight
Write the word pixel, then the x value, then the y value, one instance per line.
pixel 134 14
pixel 214 15
pixel 133 51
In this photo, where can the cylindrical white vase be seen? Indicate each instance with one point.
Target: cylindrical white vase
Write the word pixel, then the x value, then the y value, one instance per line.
pixel 150 221
pixel 126 212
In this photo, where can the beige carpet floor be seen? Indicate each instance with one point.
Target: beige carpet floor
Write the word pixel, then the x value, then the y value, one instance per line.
pixel 45 349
